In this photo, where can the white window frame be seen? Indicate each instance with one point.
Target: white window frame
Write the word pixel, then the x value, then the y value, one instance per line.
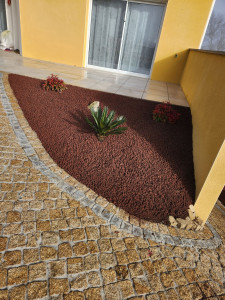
pixel 157 2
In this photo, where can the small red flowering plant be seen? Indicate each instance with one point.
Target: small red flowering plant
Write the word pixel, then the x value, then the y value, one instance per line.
pixel 53 83
pixel 165 113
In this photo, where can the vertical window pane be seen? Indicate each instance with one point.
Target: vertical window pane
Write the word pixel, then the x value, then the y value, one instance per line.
pixel 141 36
pixel 3 23
pixel 106 32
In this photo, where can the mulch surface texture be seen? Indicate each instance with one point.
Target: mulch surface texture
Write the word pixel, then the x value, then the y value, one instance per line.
pixel 147 171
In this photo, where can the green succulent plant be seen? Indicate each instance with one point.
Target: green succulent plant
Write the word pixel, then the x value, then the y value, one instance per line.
pixel 104 123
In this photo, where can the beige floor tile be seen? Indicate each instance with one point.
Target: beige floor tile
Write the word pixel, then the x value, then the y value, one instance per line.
pixel 155 92
pixel 102 87
pixel 115 80
pixel 129 92
pixel 135 84
pixel 157 98
pixel 157 83
pixel 180 102
pixel 172 87
pixel 151 86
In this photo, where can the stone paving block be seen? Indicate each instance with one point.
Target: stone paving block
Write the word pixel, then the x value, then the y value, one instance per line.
pixel 31 255
pixel 12 229
pixel 94 279
pixel 93 293
pixel 3 277
pixel 136 269
pixel 75 265
pixel 159 266
pixel 3 243
pixel 12 258
pixel 91 262
pixel 47 253
pixel 18 293
pixel 92 246
pixel 17 275
pixel 80 282
pixel 4 294
pixel 107 260
pixel 74 223
pixel 206 289
pixel 167 280
pixel 126 288
pixel 74 296
pixel 141 286
pixel 13 217
pixel 50 238
pixel 172 295
pixel 121 258
pixel 57 268
pixel 65 250
pixel 28 215
pixel 112 292
pixel 58 286
pixel 37 271
pixel 132 256
pixel 29 227
pixel 118 245
pixel 37 289
pixel 33 239
pixel 108 275
pixel 65 235
pixel 92 233
pixel 121 272
pixel 78 234
pixel 43 225
pixel 80 248
pixel 155 283
pixel 104 245
pixel 184 292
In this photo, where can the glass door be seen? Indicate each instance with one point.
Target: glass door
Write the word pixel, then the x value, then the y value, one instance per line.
pixel 142 28
pixel 106 32
pixel 3 23
pixel 124 35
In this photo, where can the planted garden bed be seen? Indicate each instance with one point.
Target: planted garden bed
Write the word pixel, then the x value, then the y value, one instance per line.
pixel 147 170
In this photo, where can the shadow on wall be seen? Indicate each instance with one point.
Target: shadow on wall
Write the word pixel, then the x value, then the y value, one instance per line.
pixel 170 69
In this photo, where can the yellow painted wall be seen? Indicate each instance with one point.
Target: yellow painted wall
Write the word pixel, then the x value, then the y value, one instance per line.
pixel 203 85
pixel 183 28
pixel 54 30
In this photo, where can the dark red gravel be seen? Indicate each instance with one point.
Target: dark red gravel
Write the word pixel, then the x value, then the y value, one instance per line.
pixel 222 196
pixel 147 171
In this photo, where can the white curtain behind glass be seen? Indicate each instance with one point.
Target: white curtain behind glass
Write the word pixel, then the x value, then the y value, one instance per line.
pixel 140 35
pixel 3 24
pixel 106 32
pixel 142 30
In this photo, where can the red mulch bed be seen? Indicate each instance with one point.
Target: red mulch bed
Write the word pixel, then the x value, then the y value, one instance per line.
pixel 147 171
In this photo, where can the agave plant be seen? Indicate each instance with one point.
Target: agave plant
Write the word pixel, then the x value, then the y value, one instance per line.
pixel 104 123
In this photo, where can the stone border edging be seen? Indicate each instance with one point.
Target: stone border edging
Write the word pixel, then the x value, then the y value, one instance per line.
pixel 84 200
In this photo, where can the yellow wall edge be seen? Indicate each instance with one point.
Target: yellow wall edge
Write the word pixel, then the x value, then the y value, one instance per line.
pixel 203 85
pixel 212 187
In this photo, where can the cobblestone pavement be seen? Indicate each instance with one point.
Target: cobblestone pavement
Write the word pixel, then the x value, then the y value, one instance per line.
pixel 59 240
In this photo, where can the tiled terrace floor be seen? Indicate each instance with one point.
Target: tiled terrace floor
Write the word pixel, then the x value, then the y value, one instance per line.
pixel 94 79
pixel 58 243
